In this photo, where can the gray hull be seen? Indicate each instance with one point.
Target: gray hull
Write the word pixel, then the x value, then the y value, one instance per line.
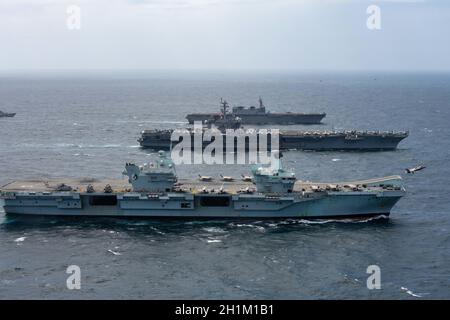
pixel 7 115
pixel 292 141
pixel 369 143
pixel 352 204
pixel 268 118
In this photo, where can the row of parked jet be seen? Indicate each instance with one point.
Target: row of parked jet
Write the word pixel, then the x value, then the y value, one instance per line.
pixel 225 178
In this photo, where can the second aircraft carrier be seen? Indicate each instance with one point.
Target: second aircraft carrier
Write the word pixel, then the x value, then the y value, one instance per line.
pixel 289 140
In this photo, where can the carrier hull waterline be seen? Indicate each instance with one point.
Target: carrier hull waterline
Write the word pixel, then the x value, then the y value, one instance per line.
pixel 313 209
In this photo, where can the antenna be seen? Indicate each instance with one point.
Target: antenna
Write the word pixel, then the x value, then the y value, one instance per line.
pixel 224 106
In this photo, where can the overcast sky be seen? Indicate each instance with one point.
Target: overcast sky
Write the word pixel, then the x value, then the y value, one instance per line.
pixel 225 34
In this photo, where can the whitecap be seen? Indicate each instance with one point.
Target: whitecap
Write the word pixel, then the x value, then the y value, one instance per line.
pixel 68 145
pixel 21 239
pixel 103 146
pixel 324 221
pixel 214 230
pixel 164 121
pixel 114 252
pixel 213 240
pixel 259 228
pixel 411 293
pixel 157 230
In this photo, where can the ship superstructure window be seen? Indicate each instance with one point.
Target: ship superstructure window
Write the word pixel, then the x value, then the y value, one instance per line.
pixel 215 201
pixel 103 200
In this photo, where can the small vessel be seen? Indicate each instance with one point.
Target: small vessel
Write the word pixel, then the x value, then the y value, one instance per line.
pixel 6 114
pixel 154 190
pixel 259 116
pixel 290 140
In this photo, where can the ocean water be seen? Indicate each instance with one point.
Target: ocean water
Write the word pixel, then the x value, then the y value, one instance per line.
pixel 86 125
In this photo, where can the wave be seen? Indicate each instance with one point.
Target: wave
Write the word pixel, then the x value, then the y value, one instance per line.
pixel 152 121
pixel 325 221
pixel 214 230
pixel 87 146
pixel 157 230
pixel 247 225
pixel 415 295
pixel 213 240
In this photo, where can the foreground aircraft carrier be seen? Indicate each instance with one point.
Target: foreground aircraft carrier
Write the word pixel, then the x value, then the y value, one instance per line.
pixel 154 190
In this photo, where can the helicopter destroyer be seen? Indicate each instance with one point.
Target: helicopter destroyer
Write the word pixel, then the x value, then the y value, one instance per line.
pixel 259 116
pixel 154 190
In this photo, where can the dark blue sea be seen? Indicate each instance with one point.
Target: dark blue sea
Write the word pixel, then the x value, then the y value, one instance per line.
pixel 87 124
